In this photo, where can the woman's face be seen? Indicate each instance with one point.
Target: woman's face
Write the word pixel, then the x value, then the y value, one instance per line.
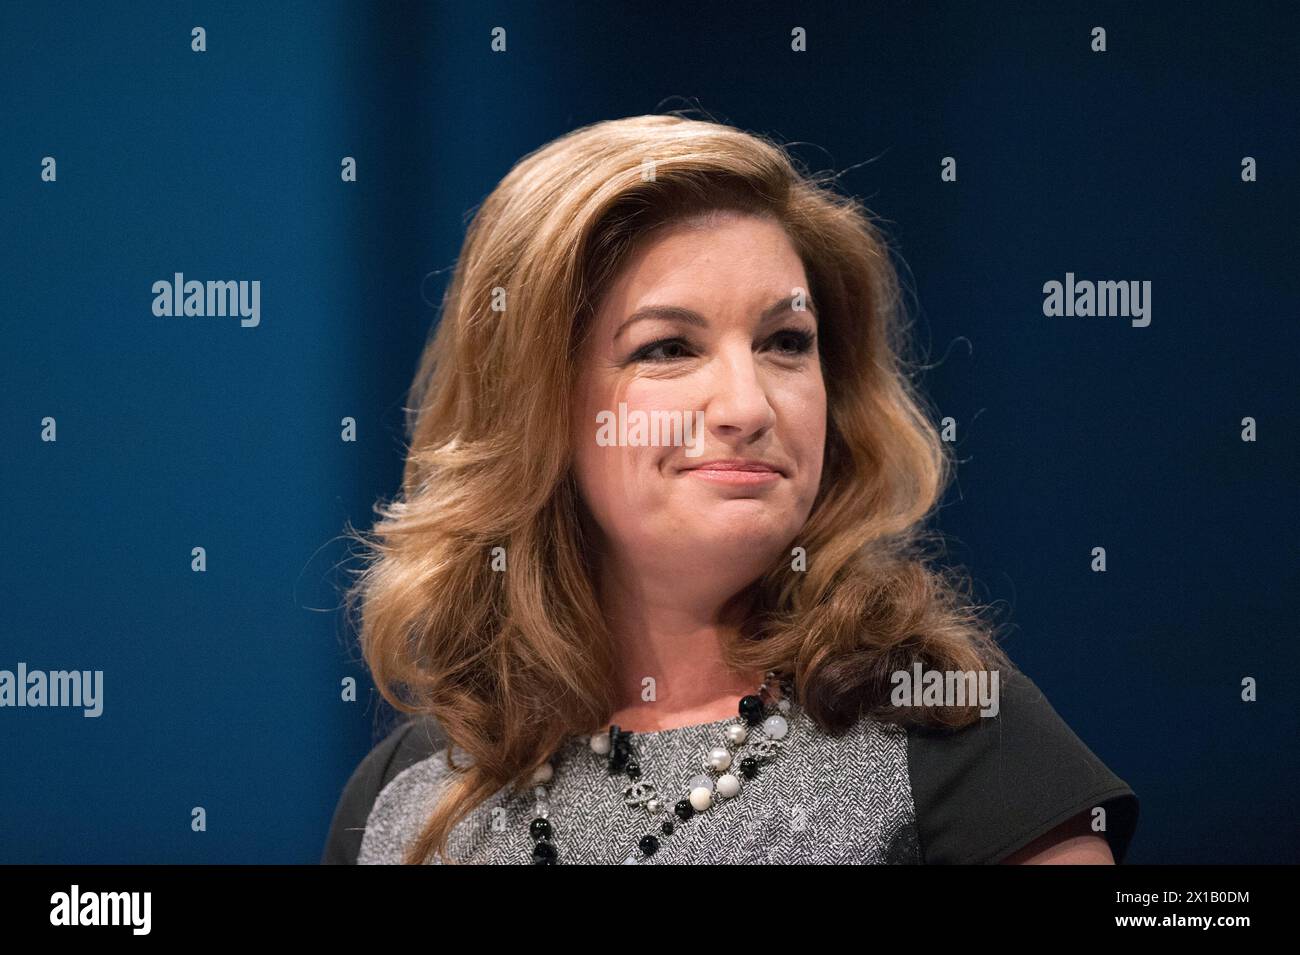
pixel 701 325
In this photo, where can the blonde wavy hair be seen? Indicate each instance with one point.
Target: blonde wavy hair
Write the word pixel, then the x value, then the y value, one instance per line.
pixel 509 664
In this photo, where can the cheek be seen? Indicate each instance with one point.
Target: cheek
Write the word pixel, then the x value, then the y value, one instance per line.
pixel 614 478
pixel 803 406
pixel 807 435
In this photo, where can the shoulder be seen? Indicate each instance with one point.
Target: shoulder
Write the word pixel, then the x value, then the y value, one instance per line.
pixel 989 789
pixel 410 743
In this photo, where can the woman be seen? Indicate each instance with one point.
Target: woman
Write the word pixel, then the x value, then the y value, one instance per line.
pixel 655 584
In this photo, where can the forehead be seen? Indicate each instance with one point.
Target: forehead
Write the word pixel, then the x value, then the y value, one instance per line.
pixel 729 259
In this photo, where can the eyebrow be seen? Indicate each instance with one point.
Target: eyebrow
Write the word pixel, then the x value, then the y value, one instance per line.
pixel 677 313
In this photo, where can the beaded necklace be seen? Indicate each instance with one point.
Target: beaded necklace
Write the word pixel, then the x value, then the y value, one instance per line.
pixel 762 714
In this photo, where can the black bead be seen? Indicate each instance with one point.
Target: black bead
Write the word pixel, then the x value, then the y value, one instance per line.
pixel 544 854
pixel 749 767
pixel 620 753
pixel 667 827
pixel 649 845
pixel 684 810
pixel 633 770
pixel 539 828
pixel 751 708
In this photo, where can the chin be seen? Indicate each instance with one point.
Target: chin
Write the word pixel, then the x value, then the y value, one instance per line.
pixel 747 534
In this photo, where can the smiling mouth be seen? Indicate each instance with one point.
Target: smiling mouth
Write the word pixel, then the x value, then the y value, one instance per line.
pixel 735 477
pixel 736 472
pixel 735 464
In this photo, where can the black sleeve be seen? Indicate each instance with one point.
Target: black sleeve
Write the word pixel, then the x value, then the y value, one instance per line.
pixel 409 743
pixel 986 790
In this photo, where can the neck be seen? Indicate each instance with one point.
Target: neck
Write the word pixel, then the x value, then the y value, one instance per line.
pixel 671 671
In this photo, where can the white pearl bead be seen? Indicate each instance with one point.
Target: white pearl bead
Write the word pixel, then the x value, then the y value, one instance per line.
pixel 719 758
pixel 737 734
pixel 775 726
pixel 543 773
pixel 728 785
pixel 700 782
pixel 653 805
pixel 600 744
pixel 701 799
pixel 783 706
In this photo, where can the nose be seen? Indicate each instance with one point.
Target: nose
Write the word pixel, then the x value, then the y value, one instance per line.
pixel 737 406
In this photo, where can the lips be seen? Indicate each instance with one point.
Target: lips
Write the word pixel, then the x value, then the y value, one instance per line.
pixel 737 465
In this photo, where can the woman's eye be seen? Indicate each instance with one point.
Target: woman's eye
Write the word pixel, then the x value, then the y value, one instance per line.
pixel 793 341
pixel 655 351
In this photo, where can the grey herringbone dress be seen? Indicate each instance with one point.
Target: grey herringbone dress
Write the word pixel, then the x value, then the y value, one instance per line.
pixel 876 794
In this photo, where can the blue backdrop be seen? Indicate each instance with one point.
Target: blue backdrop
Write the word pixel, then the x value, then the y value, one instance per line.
pixel 221 689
